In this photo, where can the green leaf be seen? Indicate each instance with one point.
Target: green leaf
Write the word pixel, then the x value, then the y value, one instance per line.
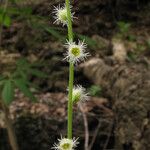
pixel 37 73
pixel 132 56
pixel 5 20
pixel 2 82
pixel 8 92
pixel 26 11
pixel 54 32
pixel 23 74
pixel 148 43
pixel 22 62
pixel 131 38
pixel 22 85
pixel 95 90
pixel 2 77
pixel 38 64
pixel 123 26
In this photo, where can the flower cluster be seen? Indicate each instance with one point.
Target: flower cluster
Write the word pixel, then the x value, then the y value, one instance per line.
pixel 76 52
pixel 60 15
pixel 79 94
pixel 66 144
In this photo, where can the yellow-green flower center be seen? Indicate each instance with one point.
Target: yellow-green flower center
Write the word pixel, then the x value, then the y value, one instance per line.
pixel 65 146
pixel 75 51
pixel 62 15
pixel 76 96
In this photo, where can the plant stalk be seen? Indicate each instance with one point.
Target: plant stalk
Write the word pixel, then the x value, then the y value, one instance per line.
pixel 70 104
pixel 71 73
pixel 69 25
pixel 10 129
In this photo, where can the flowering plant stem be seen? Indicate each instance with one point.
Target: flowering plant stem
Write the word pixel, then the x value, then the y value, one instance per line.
pixel 71 73
pixel 70 105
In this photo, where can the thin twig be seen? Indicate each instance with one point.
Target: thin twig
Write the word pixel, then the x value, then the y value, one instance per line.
pixel 108 138
pixel 10 129
pixel 95 135
pixel 86 128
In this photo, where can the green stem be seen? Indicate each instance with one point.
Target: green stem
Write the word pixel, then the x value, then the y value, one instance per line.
pixel 71 73
pixel 70 104
pixel 70 31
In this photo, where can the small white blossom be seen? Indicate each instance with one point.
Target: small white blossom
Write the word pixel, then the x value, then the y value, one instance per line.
pixel 66 144
pixel 79 94
pixel 76 52
pixel 60 15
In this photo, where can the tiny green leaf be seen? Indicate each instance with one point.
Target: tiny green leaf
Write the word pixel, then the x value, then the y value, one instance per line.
pixel 55 33
pixel 1 77
pixel 8 92
pixel 2 82
pixel 5 20
pixel 22 85
pixel 95 90
pixel 37 73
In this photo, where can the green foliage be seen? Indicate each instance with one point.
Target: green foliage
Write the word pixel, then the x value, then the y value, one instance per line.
pixel 19 79
pixel 24 11
pixel 8 92
pixel 140 48
pixel 37 73
pixel 131 38
pixel 54 33
pixel 5 20
pixel 95 90
pixel 23 86
pixel 124 33
pixel 148 43
pixel 24 69
pixel 123 27
pixel 132 56
pixel 1 78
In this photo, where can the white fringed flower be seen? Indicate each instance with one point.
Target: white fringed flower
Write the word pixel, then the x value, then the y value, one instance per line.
pixel 60 15
pixel 79 94
pixel 76 52
pixel 66 144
